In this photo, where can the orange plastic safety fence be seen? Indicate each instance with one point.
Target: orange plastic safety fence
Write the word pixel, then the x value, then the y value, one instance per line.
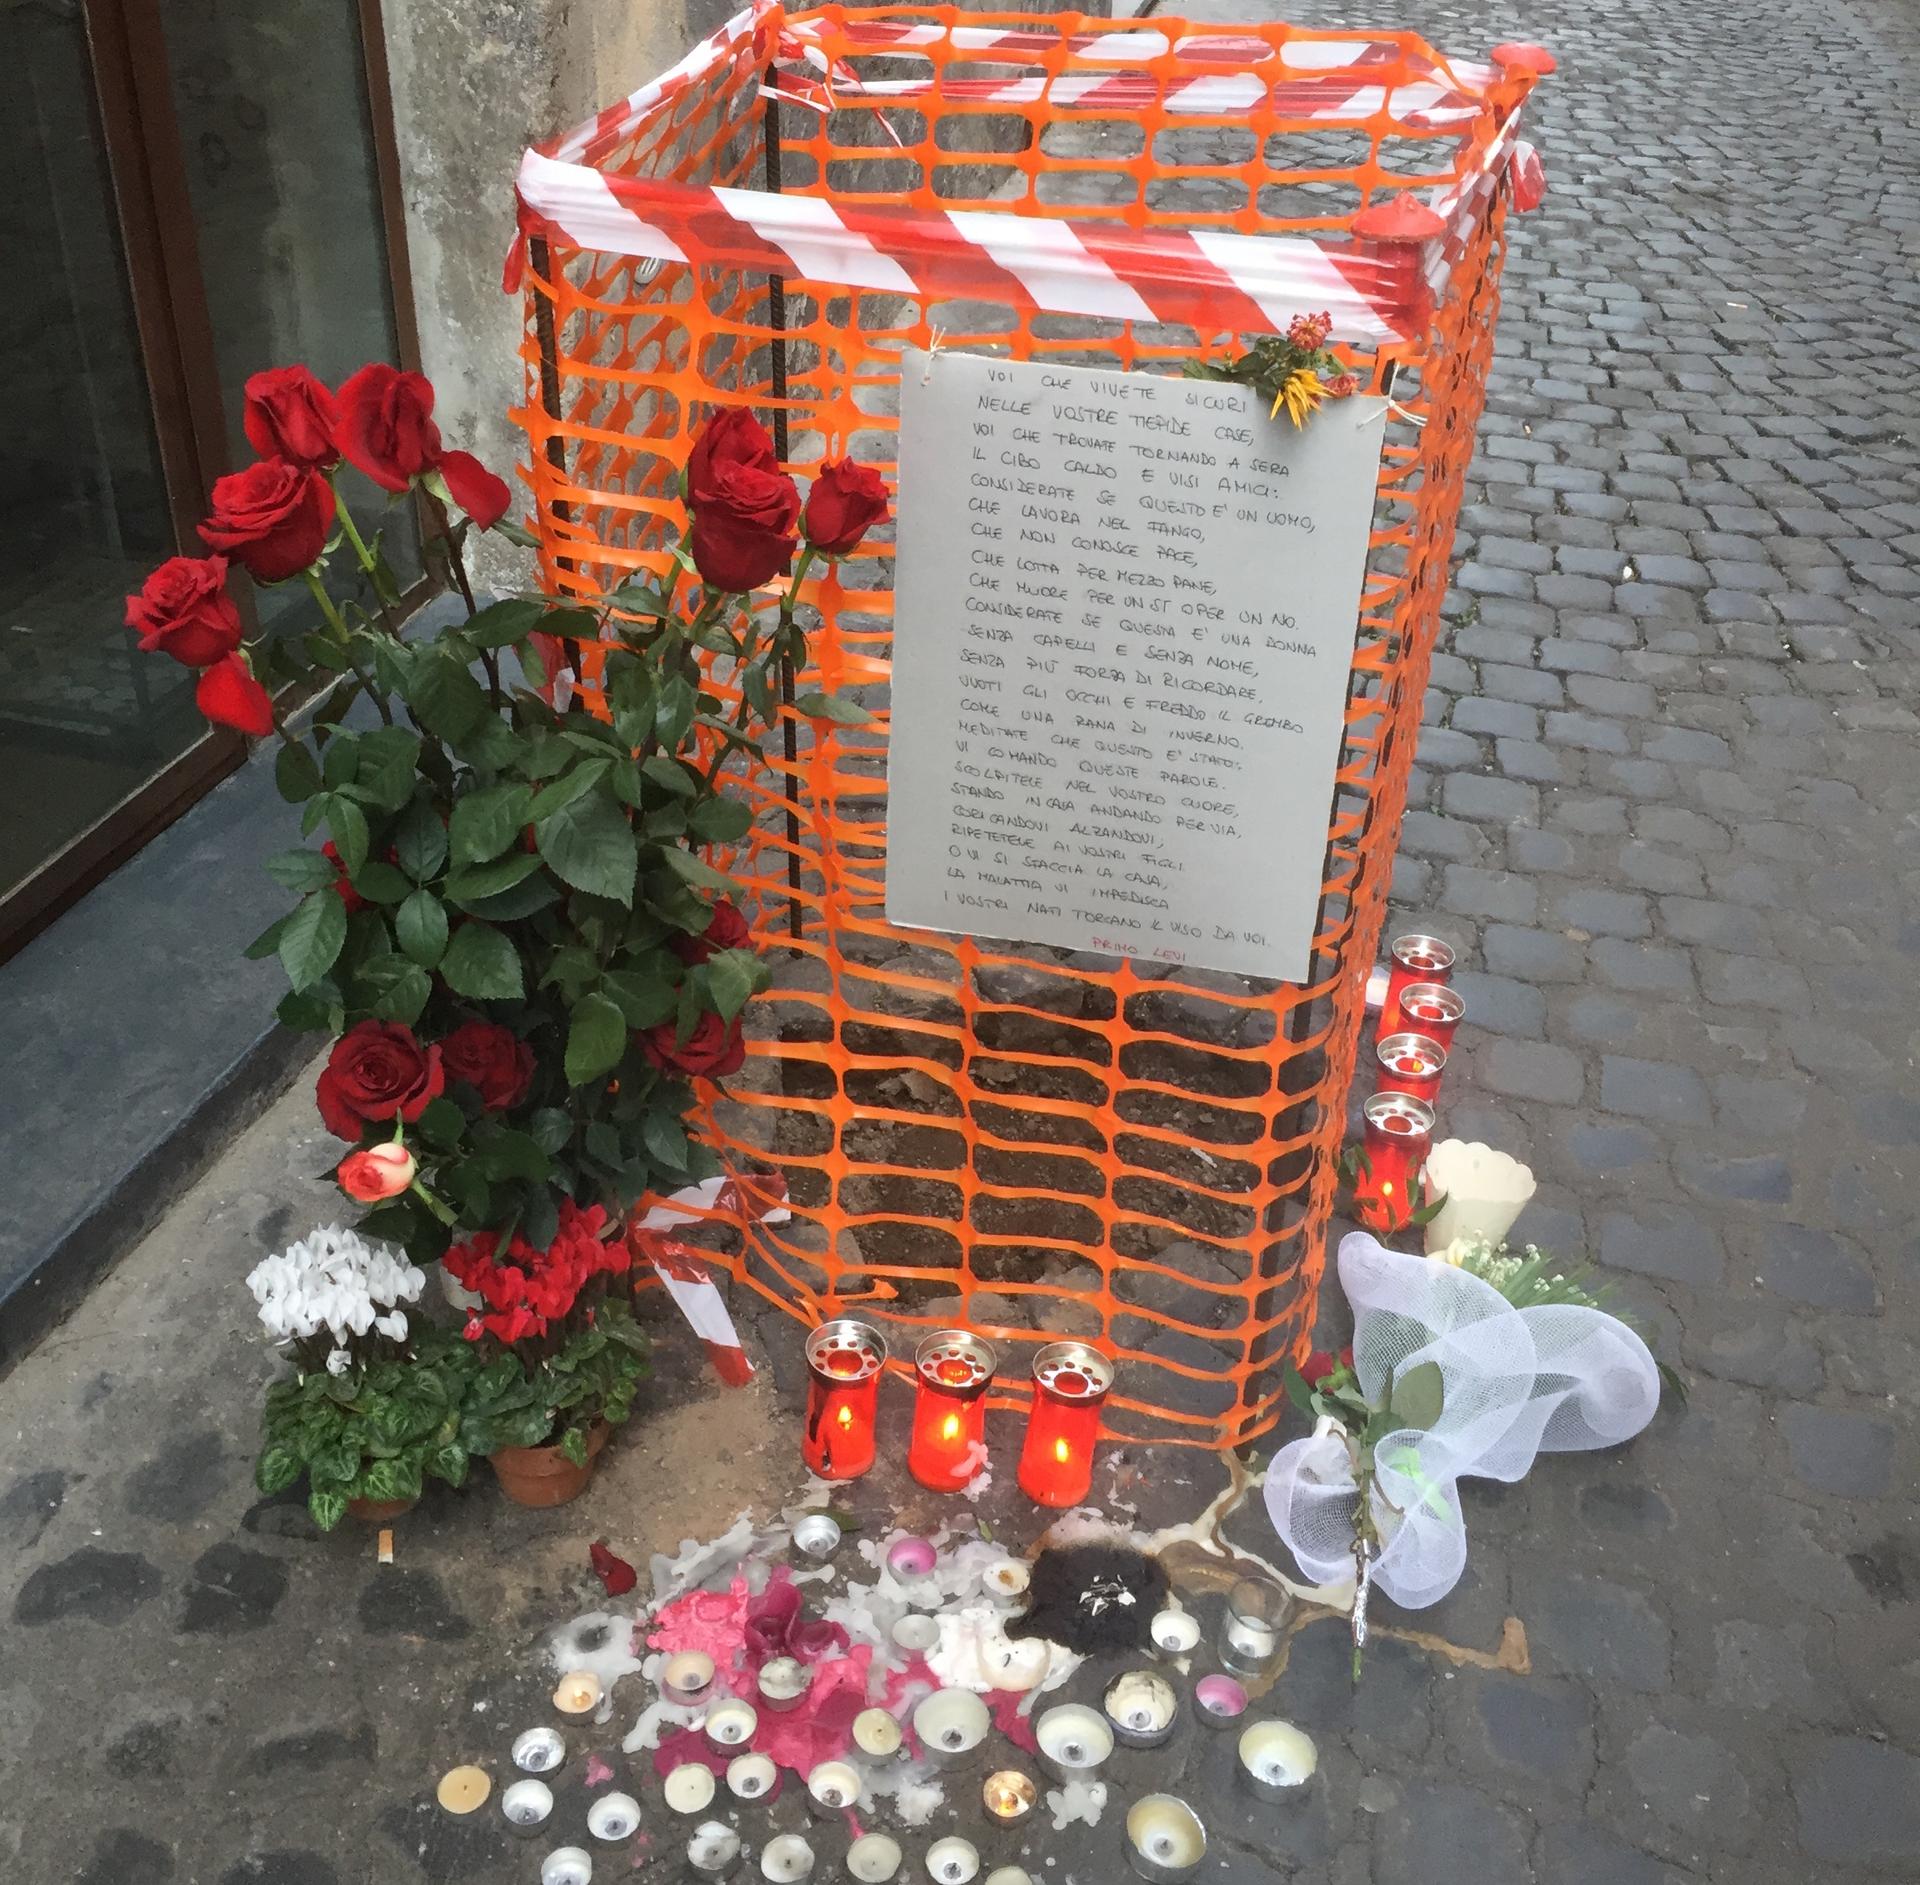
pixel 973 1131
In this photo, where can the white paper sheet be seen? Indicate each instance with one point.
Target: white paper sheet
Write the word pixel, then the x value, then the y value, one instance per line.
pixel 1124 621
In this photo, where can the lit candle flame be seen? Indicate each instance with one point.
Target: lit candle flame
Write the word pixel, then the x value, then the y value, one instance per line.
pixel 1062 1452
pixel 846 1416
pixel 950 1427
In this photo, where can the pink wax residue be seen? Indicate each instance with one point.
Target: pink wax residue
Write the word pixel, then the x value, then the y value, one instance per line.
pixel 598 1772
pixel 713 1622
pixel 1004 1706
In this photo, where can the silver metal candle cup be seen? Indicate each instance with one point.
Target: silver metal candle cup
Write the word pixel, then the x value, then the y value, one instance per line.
pixel 783 1684
pixel 1276 1759
pixel 527 1807
pixel 952 1727
pixel 1073 1742
pixel 715 1852
pixel 1141 1709
pixel 1165 1839
pixel 833 1789
pixel 1219 1703
pixel 817 1537
pixel 566 1865
pixel 539 1750
pixel 614 1817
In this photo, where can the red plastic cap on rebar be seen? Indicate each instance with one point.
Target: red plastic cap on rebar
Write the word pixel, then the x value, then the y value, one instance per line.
pixel 1401 218
pixel 1524 56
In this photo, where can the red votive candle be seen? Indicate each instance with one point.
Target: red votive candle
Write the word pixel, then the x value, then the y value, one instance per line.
pixel 1424 959
pixel 1398 1136
pixel 844 1360
pixel 1070 1383
pixel 949 1443
pixel 1433 1010
pixel 1410 1063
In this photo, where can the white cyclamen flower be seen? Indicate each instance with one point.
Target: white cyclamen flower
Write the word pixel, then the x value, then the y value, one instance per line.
pixel 339 1362
pixel 334 1280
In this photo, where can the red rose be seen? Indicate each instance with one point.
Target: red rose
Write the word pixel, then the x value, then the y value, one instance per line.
pixel 712 1049
pixel 274 517
pixel 380 1172
pixel 734 557
pixel 377 1069
pixel 289 414
pixel 846 501
pixel 726 929
pixel 386 425
pixel 183 610
pixel 1317 1367
pixel 342 883
pixel 733 436
pixel 475 489
pixel 230 697
pixel 493 1060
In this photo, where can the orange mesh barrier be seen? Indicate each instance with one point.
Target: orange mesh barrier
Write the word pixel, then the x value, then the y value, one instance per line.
pixel 973 1131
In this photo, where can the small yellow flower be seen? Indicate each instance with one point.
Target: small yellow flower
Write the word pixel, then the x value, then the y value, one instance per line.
pixel 1300 392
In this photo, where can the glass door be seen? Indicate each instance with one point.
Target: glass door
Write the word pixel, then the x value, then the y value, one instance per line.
pixel 200 189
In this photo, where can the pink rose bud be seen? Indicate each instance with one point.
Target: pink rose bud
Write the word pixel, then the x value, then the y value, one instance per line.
pixel 381 1171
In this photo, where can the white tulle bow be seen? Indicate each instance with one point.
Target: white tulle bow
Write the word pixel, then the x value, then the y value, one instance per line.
pixel 1517 1382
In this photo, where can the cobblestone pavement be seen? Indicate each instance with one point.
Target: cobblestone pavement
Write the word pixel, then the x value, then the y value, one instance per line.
pixel 1667 807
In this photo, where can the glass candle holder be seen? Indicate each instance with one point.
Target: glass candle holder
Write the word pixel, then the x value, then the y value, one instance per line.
pixel 1410 1063
pixel 844 1360
pixel 1070 1385
pixel 1414 959
pixel 1432 1009
pixel 1250 1637
pixel 949 1443
pixel 1397 1138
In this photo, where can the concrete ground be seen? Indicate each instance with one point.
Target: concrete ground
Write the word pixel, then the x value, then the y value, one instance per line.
pixel 1667 806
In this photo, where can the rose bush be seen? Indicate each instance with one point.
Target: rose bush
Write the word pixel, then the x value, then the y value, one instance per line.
pixel 505 914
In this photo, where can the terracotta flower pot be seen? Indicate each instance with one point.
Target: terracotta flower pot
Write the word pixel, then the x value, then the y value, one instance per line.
pixel 543 1475
pixel 378 1511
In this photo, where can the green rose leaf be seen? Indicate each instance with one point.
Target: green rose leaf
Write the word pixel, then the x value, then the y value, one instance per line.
pixel 731 978
pixel 508 1154
pixel 551 1127
pixel 832 707
pixel 328 1507
pixel 673 710
pixel 420 925
pixel 596 1040
pixel 1418 1396
pixel 278 1467
pixel 339 758
pixel 572 785
pixel 311 942
pixel 666 1139
pixel 296 773
pixel 474 883
pixel 301 869
pixel 482 964
pixel 721 820
pixel 388 759
pixel 379 882
pixel 670 776
pixel 591 846
pixel 268 941
pixel 441 1122
pixel 393 988
pixel 501 624
pixel 347 826
pixel 643 999
pixel 531 894
pixel 448 700
pixel 487 821
pixel 694 870
pixel 421 841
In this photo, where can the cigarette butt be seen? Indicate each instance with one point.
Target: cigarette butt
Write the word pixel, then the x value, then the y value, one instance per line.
pixel 386 1545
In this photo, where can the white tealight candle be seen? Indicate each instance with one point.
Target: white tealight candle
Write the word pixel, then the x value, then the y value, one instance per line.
pixel 751 1777
pixel 1165 1839
pixel 567 1865
pixel 952 1861
pixel 690 1788
pixel 613 1817
pixel 1142 1707
pixel 1009 1875
pixel 1175 1633
pixel 833 1786
pixel 731 1724
pixel 1275 1757
pixel 873 1859
pixel 578 1693
pixel 686 1678
pixel 916 1634
pixel 951 1723
pixel 787 1859
pixel 1009 1578
pixel 784 1683
pixel 876 1734
pixel 1074 1741
pixel 714 1850
pixel 528 1805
